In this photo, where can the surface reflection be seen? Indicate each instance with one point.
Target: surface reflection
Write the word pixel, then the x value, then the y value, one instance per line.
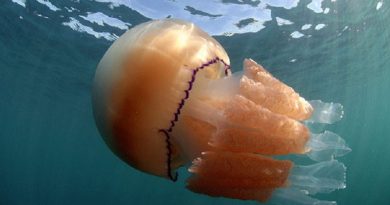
pixel 224 17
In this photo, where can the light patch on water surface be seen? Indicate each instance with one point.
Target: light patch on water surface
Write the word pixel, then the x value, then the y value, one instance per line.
pixel 101 19
pixel 48 4
pixel 287 4
pixel 379 5
pixel 306 26
pixel 296 34
pixel 77 26
pixel 281 21
pixel 215 17
pixel 115 3
pixel 342 31
pixel 326 10
pixel 71 9
pixel 316 6
pixel 20 2
pixel 40 15
pixel 319 26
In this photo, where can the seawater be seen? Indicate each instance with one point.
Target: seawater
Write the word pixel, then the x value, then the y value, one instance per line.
pixel 51 152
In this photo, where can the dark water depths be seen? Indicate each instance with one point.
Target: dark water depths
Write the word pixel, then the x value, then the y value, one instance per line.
pixel 51 152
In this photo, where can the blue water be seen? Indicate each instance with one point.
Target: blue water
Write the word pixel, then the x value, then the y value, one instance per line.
pixel 51 152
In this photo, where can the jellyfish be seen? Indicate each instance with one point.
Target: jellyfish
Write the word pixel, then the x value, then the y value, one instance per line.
pixel 164 97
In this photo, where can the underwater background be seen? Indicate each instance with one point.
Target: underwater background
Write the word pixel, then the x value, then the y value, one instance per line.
pixel 52 153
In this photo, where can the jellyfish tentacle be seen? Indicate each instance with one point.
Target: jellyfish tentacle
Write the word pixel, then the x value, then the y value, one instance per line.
pixel 321 177
pixel 259 74
pixel 305 181
pixel 264 89
pixel 272 133
pixel 244 175
pixel 239 173
pixel 238 139
pixel 326 113
pixel 245 124
pixel 296 197
pixel 326 146
pixel 274 100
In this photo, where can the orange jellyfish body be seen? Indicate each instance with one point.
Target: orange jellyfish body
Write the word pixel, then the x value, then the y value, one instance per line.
pixel 164 96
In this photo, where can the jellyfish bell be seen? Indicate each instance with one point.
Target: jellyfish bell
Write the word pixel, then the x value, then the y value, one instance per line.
pixel 139 83
pixel 164 96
